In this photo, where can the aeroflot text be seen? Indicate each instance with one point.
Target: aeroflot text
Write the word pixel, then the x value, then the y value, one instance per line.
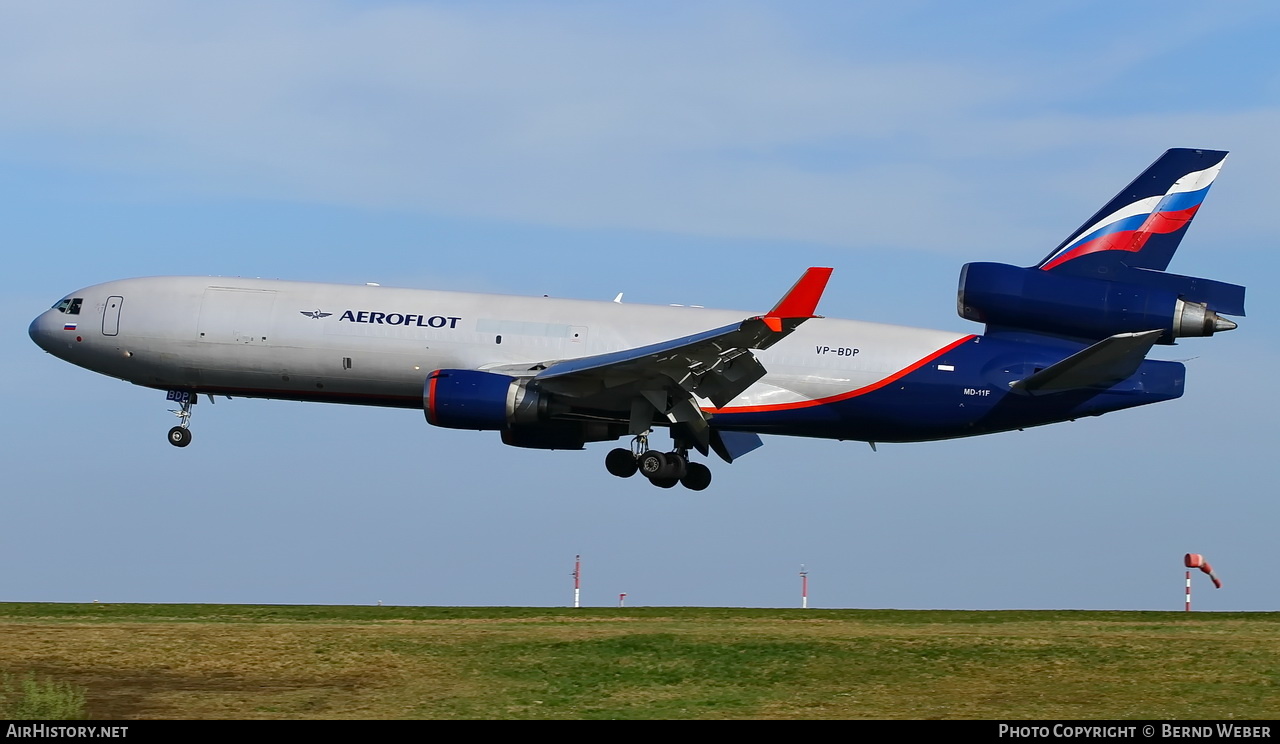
pixel 422 321
pixel 1167 731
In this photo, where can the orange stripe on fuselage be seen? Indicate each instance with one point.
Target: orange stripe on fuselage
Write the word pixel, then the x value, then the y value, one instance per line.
pixel 852 393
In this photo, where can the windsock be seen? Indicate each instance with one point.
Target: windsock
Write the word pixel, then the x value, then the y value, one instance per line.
pixel 1195 560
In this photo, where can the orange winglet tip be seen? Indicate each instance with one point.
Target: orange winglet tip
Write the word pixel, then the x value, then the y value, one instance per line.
pixel 802 299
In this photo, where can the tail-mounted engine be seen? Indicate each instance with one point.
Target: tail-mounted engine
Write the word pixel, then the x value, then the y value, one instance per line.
pixel 1029 299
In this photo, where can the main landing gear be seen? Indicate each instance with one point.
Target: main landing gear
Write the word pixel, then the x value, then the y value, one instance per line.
pixel 663 469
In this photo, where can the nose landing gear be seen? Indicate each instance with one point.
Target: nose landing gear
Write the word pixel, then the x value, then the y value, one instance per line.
pixel 663 469
pixel 180 435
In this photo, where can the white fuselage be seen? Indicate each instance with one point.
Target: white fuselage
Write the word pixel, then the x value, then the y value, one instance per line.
pixel 376 345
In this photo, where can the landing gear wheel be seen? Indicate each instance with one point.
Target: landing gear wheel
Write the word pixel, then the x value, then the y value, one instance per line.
pixel 179 437
pixel 664 482
pixel 677 466
pixel 696 477
pixel 652 464
pixel 621 462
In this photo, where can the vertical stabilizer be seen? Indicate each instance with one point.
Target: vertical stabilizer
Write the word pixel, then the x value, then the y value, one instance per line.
pixel 1141 227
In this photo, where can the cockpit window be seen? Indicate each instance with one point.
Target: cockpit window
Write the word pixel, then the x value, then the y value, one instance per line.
pixel 70 306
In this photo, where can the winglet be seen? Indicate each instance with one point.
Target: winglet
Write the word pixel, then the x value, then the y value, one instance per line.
pixel 801 300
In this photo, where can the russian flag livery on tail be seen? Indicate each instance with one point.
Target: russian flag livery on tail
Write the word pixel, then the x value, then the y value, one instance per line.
pixel 1066 338
pixel 1146 220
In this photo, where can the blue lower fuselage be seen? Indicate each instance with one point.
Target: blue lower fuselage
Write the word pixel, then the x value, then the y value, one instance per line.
pixel 962 391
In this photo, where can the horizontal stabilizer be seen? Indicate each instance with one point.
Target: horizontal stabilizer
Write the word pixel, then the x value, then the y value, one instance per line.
pixel 1102 365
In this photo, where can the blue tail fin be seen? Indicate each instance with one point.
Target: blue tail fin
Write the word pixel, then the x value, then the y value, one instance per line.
pixel 1109 277
pixel 1141 227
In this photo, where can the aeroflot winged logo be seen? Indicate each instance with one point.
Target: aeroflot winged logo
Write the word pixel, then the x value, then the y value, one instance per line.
pixel 400 319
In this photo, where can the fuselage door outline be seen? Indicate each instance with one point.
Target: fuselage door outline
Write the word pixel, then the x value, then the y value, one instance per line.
pixel 111 315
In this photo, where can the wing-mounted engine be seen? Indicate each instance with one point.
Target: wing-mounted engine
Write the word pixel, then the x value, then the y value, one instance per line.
pixel 1085 307
pixel 485 401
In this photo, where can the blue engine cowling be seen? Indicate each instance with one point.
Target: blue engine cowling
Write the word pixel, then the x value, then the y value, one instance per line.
pixel 1011 297
pixel 484 401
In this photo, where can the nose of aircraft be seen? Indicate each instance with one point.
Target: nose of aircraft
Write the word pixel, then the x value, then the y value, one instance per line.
pixel 40 332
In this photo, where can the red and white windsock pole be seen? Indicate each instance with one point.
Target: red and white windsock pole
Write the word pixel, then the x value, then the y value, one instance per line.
pixel 1195 560
pixel 577 579
pixel 804 588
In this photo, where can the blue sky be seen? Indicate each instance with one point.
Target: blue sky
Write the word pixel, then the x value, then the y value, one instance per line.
pixel 695 153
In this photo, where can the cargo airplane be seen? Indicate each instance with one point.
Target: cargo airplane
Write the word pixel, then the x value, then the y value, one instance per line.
pixel 1065 338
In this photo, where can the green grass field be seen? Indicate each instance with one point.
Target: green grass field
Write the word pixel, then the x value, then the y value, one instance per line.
pixel 262 662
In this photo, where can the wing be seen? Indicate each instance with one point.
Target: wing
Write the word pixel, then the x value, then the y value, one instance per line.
pixel 668 377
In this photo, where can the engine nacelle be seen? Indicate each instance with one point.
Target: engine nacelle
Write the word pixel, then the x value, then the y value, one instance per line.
pixel 1080 307
pixel 558 435
pixel 482 401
